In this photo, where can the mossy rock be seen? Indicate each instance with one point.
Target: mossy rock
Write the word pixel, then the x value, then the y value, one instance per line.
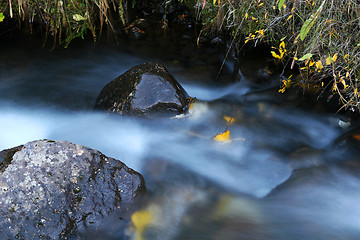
pixel 144 89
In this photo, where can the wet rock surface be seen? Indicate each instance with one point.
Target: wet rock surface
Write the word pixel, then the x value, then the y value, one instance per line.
pixel 144 89
pixel 55 189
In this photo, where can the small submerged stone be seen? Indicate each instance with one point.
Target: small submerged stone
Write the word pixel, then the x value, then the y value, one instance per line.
pixel 54 189
pixel 143 90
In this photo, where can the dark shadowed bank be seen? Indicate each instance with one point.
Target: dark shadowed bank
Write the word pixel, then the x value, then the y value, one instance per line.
pixel 320 38
pixel 317 39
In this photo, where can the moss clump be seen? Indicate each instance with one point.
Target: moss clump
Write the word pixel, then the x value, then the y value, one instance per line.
pixel 319 37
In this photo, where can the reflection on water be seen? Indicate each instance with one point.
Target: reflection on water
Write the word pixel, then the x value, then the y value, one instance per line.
pixel 198 189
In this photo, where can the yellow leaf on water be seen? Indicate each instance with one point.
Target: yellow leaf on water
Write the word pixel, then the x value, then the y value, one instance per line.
pixel 140 220
pixel 261 106
pixel 228 119
pixel 222 137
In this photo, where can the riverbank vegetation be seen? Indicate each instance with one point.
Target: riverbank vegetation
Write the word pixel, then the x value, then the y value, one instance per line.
pixel 320 38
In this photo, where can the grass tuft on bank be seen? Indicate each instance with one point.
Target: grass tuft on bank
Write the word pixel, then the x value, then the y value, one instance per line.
pixel 320 37
pixel 65 20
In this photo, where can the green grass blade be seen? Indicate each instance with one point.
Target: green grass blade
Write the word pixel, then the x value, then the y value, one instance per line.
pixel 310 22
pixel 281 3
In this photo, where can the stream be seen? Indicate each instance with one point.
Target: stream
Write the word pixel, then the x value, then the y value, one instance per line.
pixel 198 188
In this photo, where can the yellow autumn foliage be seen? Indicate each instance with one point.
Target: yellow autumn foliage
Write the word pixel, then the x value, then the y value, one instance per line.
pixel 222 137
pixel 282 51
pixel 140 220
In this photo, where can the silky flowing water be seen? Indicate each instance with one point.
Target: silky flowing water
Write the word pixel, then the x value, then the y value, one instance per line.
pixel 198 188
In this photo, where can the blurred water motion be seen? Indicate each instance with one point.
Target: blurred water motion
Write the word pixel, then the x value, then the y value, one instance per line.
pixel 198 189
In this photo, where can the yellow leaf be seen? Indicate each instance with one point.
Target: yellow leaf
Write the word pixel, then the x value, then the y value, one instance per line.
pixel 347 74
pixel 282 46
pixel 222 137
pixel 261 107
pixel 342 80
pixel 260 4
pixel 334 89
pixel 318 65
pixel 191 101
pixel 275 55
pixel 328 60
pixel 246 15
pixel 140 220
pixel 214 2
pixel 346 55
pixel 289 17
pixel 261 32
pixel 78 17
pixel 335 57
pixel 229 119
pixel 282 90
pixel 288 82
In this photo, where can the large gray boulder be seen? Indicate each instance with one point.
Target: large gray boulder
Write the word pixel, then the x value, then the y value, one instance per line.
pixel 54 189
pixel 144 89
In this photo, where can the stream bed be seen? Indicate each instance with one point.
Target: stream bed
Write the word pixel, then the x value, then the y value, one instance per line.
pixel 282 175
